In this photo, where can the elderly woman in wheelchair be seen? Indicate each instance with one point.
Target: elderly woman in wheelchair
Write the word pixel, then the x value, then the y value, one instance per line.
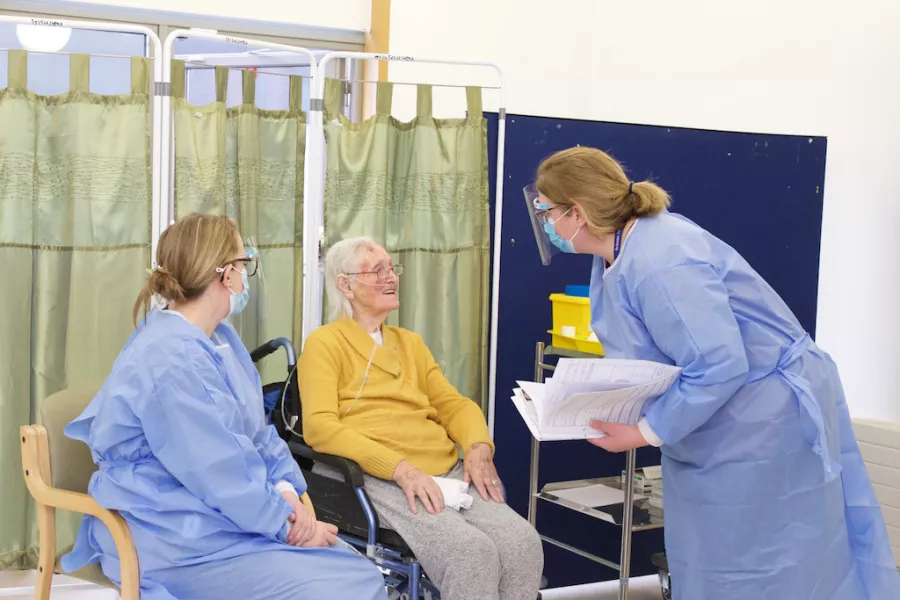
pixel 374 394
pixel 211 496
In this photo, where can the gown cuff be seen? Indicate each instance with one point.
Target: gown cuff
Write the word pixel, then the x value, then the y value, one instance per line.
pixel 284 486
pixel 649 434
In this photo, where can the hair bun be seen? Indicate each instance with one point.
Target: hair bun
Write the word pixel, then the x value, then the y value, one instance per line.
pixel 648 199
pixel 164 284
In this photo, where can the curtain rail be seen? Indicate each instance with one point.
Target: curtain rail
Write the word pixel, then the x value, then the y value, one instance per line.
pixel 71 53
pixel 197 67
pixel 437 85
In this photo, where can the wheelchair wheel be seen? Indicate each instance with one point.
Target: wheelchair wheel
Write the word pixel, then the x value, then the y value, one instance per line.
pixel 665 579
pixel 393 594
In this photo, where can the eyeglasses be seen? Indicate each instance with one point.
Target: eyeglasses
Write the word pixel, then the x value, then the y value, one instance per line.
pixel 383 273
pixel 543 215
pixel 250 263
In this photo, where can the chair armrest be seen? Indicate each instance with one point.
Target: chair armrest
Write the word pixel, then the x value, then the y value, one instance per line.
pixel 36 468
pixel 350 470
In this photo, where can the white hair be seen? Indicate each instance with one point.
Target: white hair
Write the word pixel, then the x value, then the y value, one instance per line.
pixel 342 258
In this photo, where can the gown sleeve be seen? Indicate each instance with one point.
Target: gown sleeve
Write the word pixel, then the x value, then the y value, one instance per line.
pixel 280 463
pixel 193 426
pixel 687 312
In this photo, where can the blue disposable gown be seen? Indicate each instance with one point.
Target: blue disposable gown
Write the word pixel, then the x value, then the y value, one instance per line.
pixel 184 455
pixel 766 494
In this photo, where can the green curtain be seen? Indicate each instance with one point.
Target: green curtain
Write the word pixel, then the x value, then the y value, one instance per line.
pixel 75 232
pixel 248 163
pixel 421 190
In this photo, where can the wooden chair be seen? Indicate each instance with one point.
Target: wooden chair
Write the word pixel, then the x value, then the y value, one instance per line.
pixel 57 472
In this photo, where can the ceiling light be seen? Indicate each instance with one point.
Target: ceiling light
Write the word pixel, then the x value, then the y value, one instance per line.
pixel 40 38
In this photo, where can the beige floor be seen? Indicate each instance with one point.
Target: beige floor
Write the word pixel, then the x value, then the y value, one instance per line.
pixel 641 588
pixel 19 585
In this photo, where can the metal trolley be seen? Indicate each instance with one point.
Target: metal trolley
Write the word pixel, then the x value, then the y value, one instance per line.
pixel 549 491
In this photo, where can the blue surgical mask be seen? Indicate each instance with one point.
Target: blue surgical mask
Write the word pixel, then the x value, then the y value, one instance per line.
pixel 240 299
pixel 564 245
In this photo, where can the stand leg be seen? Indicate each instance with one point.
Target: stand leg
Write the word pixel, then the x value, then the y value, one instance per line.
pixel 535 445
pixel 533 482
pixel 627 520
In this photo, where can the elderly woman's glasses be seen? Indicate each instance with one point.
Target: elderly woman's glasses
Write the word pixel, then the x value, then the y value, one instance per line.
pixel 383 273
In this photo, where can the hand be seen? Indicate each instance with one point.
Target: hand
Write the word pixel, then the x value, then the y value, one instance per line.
pixel 479 470
pixel 618 438
pixel 325 535
pixel 304 524
pixel 415 483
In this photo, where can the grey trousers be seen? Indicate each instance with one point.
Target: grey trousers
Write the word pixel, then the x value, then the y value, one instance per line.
pixel 487 552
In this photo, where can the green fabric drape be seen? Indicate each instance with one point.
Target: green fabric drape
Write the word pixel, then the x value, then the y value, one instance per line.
pixel 248 163
pixel 421 190
pixel 75 232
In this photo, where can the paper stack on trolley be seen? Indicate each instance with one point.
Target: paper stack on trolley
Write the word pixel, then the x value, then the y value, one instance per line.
pixel 581 390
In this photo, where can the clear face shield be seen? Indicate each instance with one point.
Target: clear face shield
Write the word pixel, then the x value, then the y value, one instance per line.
pixel 257 277
pixel 246 322
pixel 254 264
pixel 541 223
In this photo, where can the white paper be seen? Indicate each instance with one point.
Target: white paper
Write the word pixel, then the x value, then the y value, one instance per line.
pixel 582 390
pixel 592 496
pixel 612 371
pixel 534 393
pixel 527 410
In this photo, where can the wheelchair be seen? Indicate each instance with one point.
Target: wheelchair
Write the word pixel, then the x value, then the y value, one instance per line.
pixel 343 503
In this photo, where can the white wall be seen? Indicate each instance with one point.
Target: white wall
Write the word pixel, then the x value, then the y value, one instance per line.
pixel 331 14
pixel 817 67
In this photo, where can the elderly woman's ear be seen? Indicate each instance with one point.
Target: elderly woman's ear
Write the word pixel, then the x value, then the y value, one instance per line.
pixel 343 282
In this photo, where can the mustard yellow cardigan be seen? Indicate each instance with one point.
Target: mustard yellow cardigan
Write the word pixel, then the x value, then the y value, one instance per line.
pixel 406 410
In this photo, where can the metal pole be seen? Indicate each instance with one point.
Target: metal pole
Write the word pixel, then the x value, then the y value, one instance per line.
pixel 535 444
pixel 498 245
pixel 533 482
pixel 627 519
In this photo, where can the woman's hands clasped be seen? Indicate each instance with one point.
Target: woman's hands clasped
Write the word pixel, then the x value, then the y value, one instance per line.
pixel 304 529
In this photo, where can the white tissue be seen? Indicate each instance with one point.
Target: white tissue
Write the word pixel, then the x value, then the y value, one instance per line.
pixel 592 337
pixel 455 493
pixel 568 330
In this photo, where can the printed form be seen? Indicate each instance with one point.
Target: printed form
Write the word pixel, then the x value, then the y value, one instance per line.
pixel 581 390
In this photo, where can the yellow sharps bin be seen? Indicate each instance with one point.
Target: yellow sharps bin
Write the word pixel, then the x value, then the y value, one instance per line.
pixel 573 311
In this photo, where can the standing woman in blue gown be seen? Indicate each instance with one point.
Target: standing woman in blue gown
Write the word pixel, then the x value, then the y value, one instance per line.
pixel 211 494
pixel 767 496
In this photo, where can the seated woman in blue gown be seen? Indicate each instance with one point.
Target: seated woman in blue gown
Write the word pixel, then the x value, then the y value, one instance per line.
pixel 210 493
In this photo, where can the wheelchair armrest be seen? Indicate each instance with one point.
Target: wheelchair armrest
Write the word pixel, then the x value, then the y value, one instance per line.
pixel 349 469
pixel 273 346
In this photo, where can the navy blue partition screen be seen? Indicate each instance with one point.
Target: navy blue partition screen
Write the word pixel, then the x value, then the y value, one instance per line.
pixel 762 194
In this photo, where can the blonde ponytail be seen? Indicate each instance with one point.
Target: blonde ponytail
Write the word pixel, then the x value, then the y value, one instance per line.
pixel 648 199
pixel 593 180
